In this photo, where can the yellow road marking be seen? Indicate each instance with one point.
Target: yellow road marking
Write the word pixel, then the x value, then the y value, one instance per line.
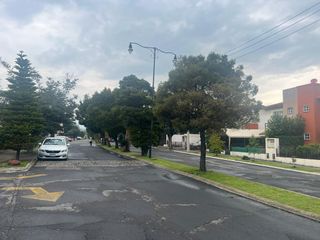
pixel 39 193
pixel 23 177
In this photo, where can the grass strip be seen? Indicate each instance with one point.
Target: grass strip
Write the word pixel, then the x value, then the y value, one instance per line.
pixel 23 163
pixel 293 200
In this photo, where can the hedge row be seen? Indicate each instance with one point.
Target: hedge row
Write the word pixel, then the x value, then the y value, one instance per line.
pixel 310 151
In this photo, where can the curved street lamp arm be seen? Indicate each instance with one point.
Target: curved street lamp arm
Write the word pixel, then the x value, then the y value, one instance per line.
pixel 166 52
pixel 146 47
pixel 153 48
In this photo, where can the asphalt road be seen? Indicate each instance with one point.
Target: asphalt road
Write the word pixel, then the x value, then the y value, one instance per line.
pixel 95 195
pixel 298 182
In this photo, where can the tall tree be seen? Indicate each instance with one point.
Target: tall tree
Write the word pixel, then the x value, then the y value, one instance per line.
pixel 22 120
pixel 2 104
pixel 74 132
pixel 92 111
pixel 289 130
pixel 58 105
pixel 133 100
pixel 209 94
pixel 278 126
pixel 114 124
pixel 165 113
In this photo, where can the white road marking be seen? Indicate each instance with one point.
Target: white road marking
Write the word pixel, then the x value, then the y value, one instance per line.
pixel 186 184
pixel 144 197
pixel 67 207
pixel 107 193
pixel 179 205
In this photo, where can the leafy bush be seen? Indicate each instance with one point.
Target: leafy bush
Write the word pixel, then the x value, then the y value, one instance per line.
pixel 285 126
pixel 308 151
pixel 287 151
pixel 245 158
pixel 289 131
pixel 216 145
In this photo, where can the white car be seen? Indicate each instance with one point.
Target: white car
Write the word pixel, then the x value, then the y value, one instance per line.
pixel 53 148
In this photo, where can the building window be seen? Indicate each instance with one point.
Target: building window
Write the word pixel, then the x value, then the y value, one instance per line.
pixel 306 108
pixel 290 110
pixel 278 113
pixel 307 136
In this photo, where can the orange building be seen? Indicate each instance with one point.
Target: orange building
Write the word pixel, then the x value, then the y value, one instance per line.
pixel 305 101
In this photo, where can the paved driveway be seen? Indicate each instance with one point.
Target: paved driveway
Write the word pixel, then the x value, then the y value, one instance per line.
pixel 95 195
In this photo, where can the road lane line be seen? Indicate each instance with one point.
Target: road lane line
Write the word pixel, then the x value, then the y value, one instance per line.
pixel 22 177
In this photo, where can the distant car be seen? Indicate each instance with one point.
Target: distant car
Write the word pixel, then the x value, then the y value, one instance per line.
pixel 53 148
pixel 79 138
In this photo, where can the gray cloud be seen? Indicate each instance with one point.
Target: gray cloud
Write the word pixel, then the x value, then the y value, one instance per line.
pixel 90 38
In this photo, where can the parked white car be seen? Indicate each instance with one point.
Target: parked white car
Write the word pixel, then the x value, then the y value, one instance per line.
pixel 53 148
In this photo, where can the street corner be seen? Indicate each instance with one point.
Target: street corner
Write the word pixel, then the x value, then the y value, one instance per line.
pixel 18 169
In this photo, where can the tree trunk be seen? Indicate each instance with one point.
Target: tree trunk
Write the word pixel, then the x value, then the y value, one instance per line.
pixel 127 142
pixel 18 154
pixel 144 151
pixel 203 151
pixel 102 138
pixel 107 137
pixel 116 143
pixel 170 141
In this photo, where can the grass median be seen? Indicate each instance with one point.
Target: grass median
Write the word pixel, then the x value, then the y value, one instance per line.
pixel 300 203
pixel 23 163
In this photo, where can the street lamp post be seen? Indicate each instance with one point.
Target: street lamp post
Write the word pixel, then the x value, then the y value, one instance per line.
pixel 154 52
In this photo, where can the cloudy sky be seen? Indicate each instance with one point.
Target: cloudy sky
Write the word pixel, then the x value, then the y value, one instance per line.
pixel 89 38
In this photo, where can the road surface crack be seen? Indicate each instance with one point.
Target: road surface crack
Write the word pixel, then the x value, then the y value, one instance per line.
pixel 17 183
pixel 204 226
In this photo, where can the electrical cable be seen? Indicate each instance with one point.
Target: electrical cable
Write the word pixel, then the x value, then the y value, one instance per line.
pixel 275 33
pixel 283 37
pixel 273 28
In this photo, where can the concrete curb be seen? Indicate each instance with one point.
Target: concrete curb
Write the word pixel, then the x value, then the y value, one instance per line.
pixel 117 154
pixel 254 164
pixel 19 169
pixel 267 202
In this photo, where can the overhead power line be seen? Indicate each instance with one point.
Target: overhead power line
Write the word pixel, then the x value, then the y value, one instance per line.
pixel 275 33
pixel 273 28
pixel 279 39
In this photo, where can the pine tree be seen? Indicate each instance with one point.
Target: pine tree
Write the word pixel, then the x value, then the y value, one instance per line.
pixel 21 118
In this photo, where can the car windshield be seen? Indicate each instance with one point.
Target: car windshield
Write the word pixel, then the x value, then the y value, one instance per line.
pixel 54 142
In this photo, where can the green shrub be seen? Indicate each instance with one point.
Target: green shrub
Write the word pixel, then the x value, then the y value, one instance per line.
pixel 308 151
pixel 289 144
pixel 216 145
pixel 245 158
